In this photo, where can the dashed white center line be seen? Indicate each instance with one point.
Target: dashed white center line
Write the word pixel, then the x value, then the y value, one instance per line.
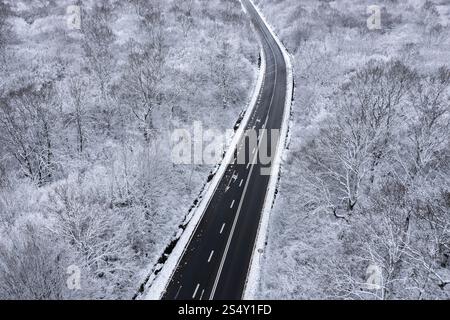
pixel 210 256
pixel 232 204
pixel 178 292
pixel 201 296
pixel 196 289
pixel 221 229
pixel 240 183
pixel 254 149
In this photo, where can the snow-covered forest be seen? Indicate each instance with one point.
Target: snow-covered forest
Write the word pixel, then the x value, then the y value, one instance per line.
pixel 88 189
pixel 86 180
pixel 365 184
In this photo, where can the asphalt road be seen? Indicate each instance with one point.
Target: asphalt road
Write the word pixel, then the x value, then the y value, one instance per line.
pixel 216 261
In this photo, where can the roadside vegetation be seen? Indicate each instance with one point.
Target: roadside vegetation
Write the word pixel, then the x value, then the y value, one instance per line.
pixel 365 183
pixel 86 178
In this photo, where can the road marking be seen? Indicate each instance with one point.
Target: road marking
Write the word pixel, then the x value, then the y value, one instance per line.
pixel 178 292
pixel 232 204
pixel 221 229
pixel 248 165
pixel 230 236
pixel 201 296
pixel 254 149
pixel 232 179
pixel 240 184
pixel 210 256
pixel 196 289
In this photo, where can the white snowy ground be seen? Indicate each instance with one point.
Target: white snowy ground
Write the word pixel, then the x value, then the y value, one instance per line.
pixel 118 181
pixel 330 41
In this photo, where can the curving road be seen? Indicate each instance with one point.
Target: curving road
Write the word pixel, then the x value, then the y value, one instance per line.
pixel 215 263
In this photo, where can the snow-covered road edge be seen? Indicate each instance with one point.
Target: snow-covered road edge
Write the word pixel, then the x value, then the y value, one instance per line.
pixel 254 272
pixel 156 284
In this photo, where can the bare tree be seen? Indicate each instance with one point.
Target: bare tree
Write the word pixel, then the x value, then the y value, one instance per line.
pixel 184 15
pixel 378 237
pixel 97 44
pixel 378 91
pixel 27 117
pixel 223 72
pixel 222 67
pixel 78 89
pixel 428 101
pixel 86 224
pixel 31 268
pixel 144 82
pixel 356 137
pixel 402 225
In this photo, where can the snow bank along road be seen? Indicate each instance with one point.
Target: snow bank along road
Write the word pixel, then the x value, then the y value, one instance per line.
pixel 216 260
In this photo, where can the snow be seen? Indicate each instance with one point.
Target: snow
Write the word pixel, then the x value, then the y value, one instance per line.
pixel 311 254
pixel 118 173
